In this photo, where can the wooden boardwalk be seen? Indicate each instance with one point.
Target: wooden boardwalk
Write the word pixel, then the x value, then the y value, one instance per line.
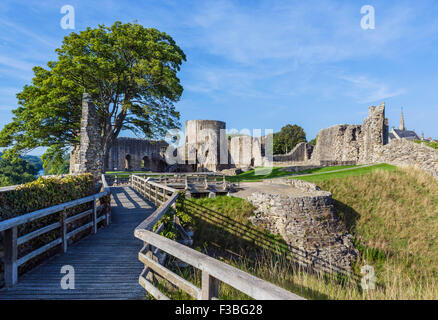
pixel 106 264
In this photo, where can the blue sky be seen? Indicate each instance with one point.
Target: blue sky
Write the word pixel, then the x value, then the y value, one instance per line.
pixel 259 64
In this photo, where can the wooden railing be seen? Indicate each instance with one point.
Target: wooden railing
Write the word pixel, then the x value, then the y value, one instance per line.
pixel 201 180
pixel 12 241
pixel 212 270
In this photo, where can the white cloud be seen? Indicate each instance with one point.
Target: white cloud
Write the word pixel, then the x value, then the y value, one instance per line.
pixel 29 34
pixel 366 90
pixel 15 63
pixel 298 31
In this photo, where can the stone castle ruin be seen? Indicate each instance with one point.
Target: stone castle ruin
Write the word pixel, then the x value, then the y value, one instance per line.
pixel 206 147
pixel 371 143
pixel 298 211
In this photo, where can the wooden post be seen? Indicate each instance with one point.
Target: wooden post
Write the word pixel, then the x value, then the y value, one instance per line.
pixel 210 287
pixel 164 195
pixel 10 258
pixel 224 182
pixel 94 216
pixel 64 231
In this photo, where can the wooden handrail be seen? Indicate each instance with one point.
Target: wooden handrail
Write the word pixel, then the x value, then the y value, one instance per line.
pixel 12 241
pixel 238 279
pixel 212 269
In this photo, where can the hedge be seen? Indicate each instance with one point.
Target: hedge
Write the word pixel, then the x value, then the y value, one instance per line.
pixel 40 194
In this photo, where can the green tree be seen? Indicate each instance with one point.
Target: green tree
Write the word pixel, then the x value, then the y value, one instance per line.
pixel 314 141
pixel 58 167
pixel 288 137
pixel 21 171
pixel 129 71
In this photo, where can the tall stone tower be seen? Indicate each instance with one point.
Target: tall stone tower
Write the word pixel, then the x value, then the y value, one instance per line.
pixel 88 156
pixel 206 145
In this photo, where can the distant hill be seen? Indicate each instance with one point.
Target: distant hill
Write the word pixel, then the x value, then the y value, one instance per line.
pixel 35 160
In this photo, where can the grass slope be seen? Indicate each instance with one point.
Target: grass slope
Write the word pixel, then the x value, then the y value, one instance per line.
pixel 431 144
pixel 345 174
pixel 277 172
pixel 392 213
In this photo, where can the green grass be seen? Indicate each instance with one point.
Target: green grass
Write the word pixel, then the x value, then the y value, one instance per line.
pixel 262 173
pixel 223 231
pixel 345 174
pixel 396 213
pixel 431 144
pixel 277 172
pixel 391 212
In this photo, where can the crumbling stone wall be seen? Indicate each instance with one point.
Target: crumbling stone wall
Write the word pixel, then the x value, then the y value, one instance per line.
pixel 245 151
pixel 353 143
pixel 308 224
pixel 374 134
pixel 301 152
pixel 369 143
pixel 137 154
pixel 405 152
pixel 338 143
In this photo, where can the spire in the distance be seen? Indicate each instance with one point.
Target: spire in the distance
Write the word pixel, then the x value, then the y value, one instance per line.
pixel 402 122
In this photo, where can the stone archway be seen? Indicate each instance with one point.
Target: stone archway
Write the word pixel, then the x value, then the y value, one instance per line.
pixel 128 164
pixel 145 163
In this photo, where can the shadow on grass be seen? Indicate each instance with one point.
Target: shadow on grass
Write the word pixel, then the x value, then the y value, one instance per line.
pixel 231 237
pixel 346 214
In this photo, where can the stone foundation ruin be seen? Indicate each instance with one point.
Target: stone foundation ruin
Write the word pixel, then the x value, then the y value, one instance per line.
pixel 304 216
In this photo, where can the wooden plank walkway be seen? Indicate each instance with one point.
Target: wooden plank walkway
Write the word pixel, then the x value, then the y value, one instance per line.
pixel 106 264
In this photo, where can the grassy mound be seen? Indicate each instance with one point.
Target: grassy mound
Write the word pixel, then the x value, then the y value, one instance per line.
pixel 395 213
pixel 354 172
pixel 277 172
pixel 392 213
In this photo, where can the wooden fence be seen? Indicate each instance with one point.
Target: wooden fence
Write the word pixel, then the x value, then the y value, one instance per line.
pixel 213 271
pixel 12 241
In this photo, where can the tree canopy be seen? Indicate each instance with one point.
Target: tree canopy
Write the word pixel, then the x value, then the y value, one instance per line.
pixel 21 171
pixel 129 71
pixel 288 137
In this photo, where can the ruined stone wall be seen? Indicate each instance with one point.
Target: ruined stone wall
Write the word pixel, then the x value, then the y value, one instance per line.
pixel 88 156
pixel 374 133
pixel 338 143
pixel 74 158
pixel 301 152
pixel 308 224
pixel 353 143
pixel 408 153
pixel 246 151
pixel 136 155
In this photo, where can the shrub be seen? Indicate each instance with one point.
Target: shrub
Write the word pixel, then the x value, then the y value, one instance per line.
pixel 40 194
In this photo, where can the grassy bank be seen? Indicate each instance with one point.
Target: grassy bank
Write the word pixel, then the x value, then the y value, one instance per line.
pixel 277 172
pixel 431 144
pixel 326 175
pixel 391 212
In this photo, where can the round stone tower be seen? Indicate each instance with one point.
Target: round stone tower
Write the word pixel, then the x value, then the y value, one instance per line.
pixel 206 145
